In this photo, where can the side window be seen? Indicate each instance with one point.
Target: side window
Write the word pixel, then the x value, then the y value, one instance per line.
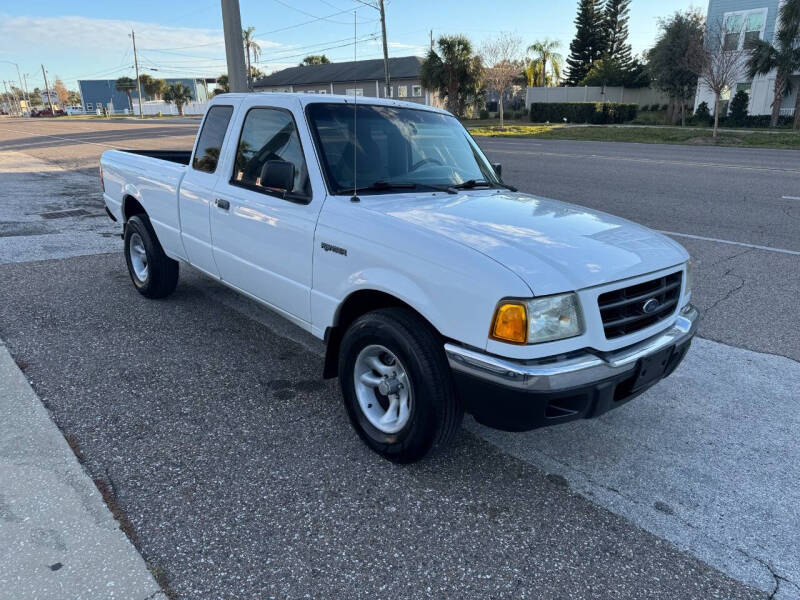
pixel 209 143
pixel 269 141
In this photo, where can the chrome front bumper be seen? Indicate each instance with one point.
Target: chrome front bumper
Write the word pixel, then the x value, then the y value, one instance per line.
pixel 553 375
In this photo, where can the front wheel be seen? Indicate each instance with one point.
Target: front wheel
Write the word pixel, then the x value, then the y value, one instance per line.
pixel 397 385
pixel 153 273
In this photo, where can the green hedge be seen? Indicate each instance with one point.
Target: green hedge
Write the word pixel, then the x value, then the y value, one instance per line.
pixel 582 112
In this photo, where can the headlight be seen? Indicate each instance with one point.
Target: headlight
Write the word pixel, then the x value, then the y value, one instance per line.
pixel 537 320
pixel 689 277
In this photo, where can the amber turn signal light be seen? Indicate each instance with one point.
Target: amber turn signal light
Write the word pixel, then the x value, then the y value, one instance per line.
pixel 511 323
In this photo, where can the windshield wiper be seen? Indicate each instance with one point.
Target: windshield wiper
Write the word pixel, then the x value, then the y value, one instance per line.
pixel 385 186
pixel 470 184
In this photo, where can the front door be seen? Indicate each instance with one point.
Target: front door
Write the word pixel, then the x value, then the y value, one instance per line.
pixel 262 226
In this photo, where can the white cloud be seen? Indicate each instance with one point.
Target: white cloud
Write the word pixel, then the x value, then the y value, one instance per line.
pixel 75 46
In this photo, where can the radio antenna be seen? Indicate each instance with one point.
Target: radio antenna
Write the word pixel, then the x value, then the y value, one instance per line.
pixel 355 197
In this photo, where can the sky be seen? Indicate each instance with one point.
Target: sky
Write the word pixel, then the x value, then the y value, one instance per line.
pixel 183 38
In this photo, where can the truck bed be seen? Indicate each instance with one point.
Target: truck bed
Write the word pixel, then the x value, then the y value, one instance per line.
pixel 177 156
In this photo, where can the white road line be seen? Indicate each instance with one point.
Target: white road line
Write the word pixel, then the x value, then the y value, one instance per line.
pixel 67 139
pixel 743 244
pixel 790 197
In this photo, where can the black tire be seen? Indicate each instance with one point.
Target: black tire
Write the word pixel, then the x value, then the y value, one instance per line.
pixel 162 271
pixel 436 411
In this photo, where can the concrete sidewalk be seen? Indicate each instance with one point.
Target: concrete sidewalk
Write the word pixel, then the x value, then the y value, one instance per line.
pixel 58 539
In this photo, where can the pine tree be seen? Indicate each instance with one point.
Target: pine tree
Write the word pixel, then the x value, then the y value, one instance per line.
pixel 589 43
pixel 615 24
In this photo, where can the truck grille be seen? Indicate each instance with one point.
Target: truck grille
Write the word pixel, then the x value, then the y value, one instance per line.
pixel 633 308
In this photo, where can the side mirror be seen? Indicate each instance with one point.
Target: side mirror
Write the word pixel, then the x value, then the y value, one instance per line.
pixel 278 174
pixel 498 169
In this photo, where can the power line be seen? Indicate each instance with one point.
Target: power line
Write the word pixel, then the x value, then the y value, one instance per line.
pixel 308 14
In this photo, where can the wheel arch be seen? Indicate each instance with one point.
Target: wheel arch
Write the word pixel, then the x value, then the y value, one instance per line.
pixel 130 207
pixel 356 304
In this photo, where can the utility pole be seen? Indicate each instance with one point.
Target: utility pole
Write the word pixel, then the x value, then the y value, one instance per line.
pixel 138 83
pixel 23 91
pixel 385 49
pixel 431 39
pixel 234 48
pixel 27 94
pixel 47 91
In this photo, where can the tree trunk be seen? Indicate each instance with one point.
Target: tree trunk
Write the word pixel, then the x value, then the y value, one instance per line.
pixel 780 86
pixel 249 83
pixel 683 113
pixel 544 72
pixel 500 104
pixel 180 109
pixel 716 114
pixel 797 112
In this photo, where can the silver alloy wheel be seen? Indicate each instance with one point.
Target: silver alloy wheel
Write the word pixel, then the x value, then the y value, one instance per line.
pixel 138 256
pixel 383 388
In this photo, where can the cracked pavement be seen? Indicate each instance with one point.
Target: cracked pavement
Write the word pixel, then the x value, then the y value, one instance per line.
pixel 231 492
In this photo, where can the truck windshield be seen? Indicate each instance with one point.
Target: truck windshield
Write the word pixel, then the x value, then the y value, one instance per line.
pixel 383 149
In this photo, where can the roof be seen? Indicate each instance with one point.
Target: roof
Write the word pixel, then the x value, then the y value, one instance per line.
pixel 278 99
pixel 402 67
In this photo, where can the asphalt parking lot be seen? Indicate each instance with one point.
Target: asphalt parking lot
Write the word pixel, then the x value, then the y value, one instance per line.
pixel 241 476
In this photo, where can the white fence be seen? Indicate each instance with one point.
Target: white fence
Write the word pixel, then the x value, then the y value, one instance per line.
pixel 640 96
pixel 154 107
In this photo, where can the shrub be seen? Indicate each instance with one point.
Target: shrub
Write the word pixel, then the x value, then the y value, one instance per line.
pixel 644 108
pixel 583 112
pixel 484 114
pixel 702 115
pixel 738 108
pixel 665 107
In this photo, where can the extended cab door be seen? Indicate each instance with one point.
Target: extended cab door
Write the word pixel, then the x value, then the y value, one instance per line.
pixel 197 189
pixel 262 229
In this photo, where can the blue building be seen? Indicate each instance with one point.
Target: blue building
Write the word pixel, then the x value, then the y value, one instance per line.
pixel 744 20
pixel 103 93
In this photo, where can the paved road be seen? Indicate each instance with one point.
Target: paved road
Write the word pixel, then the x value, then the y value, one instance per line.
pixel 706 460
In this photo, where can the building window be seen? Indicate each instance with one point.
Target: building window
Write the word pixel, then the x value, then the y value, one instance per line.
pixel 89 106
pixel 354 92
pixel 744 86
pixel 402 91
pixel 744 27
pixel 323 91
pixel 416 91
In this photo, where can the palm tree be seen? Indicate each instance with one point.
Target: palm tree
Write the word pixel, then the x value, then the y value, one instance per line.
pixel 455 72
pixel 546 51
pixel 127 85
pixel 179 95
pixel 250 44
pixel 783 57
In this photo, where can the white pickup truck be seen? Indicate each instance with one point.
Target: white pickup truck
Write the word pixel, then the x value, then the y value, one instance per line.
pixel 380 227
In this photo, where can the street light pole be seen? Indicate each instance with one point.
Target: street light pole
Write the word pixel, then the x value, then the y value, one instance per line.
pixel 234 47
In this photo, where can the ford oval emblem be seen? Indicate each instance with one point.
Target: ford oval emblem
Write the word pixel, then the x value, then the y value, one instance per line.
pixel 650 306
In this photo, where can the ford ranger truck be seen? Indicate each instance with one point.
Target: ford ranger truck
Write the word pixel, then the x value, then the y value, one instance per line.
pixel 380 227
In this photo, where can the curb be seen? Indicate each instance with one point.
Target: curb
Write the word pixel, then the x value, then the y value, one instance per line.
pixel 57 537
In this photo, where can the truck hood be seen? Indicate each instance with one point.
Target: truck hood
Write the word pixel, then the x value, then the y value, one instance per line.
pixel 553 246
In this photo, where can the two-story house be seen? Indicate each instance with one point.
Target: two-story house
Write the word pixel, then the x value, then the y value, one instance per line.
pixel 744 20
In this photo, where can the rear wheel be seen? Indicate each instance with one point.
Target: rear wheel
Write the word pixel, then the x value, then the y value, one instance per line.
pixel 153 273
pixel 397 385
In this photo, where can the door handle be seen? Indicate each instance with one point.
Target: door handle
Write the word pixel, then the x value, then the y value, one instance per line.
pixel 223 204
